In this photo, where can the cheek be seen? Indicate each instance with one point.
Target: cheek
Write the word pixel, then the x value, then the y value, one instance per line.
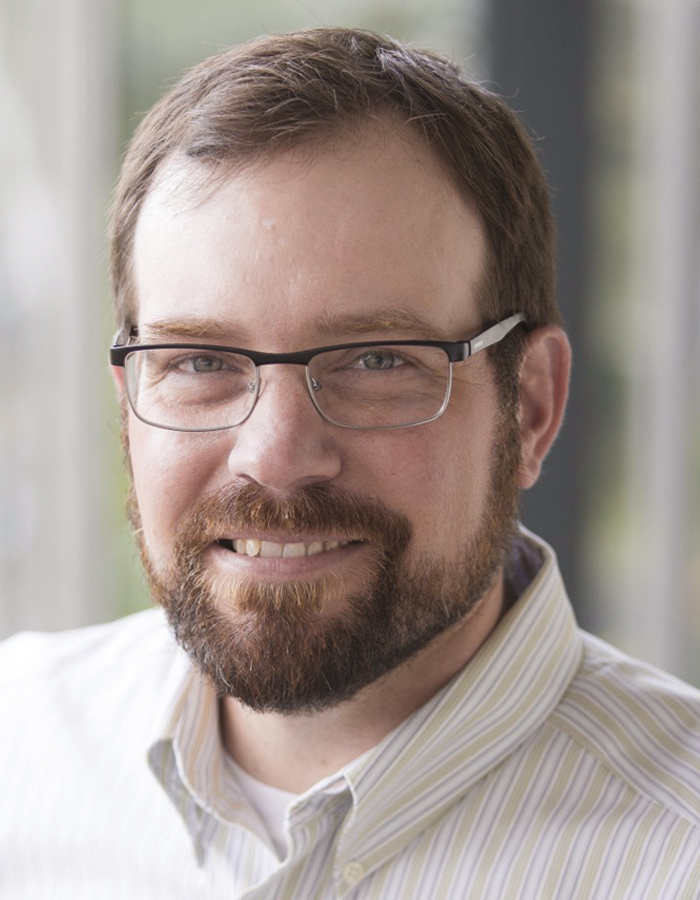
pixel 171 471
pixel 441 475
pixel 431 475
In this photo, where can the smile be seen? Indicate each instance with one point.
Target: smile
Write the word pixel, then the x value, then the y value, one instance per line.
pixel 274 550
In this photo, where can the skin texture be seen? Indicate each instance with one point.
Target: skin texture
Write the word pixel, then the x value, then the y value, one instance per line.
pixel 360 240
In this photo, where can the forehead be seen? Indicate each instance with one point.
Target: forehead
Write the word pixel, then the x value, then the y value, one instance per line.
pixel 368 230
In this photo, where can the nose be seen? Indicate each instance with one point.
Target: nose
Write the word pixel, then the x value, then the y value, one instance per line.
pixel 285 444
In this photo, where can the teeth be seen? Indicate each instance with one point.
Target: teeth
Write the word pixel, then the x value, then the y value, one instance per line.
pixel 270 549
pixel 291 551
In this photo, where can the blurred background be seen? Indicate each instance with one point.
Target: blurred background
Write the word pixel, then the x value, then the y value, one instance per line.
pixel 610 90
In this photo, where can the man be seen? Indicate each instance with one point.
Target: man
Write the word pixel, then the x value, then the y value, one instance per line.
pixel 339 361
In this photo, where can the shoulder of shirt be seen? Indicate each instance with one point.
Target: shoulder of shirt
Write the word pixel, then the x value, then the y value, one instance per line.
pixel 642 725
pixel 88 652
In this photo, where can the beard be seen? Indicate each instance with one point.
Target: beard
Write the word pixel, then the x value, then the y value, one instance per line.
pixel 278 646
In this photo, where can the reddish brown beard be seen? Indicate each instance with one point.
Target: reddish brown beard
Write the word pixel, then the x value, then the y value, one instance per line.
pixel 275 647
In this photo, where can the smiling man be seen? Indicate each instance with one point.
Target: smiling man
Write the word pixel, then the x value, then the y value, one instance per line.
pixel 317 555
pixel 339 361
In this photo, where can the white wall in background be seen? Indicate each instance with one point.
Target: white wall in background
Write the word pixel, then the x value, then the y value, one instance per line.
pixel 54 90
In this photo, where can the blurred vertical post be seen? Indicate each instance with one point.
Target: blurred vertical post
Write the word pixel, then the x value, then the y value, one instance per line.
pixel 539 60
pixel 666 330
pixel 56 105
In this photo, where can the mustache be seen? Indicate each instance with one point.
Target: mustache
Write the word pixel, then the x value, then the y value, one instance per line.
pixel 316 509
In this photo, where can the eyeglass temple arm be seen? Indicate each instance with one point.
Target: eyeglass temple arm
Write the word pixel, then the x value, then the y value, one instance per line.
pixel 495 334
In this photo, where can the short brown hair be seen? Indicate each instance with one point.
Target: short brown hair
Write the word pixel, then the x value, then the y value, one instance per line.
pixel 281 92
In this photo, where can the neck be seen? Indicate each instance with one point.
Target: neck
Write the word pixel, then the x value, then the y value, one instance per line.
pixel 293 752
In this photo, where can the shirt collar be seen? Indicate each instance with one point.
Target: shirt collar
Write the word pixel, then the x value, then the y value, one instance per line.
pixel 186 756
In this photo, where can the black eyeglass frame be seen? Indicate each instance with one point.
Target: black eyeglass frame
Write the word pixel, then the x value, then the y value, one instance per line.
pixel 456 351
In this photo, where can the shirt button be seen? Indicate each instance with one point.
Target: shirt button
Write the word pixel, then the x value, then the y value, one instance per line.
pixel 353 872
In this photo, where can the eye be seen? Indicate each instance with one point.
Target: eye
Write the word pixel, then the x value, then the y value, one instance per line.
pixel 206 364
pixel 380 359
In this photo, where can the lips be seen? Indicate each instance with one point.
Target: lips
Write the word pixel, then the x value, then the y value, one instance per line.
pixel 274 550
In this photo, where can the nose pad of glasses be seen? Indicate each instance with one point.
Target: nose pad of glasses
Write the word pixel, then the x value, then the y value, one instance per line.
pixel 315 385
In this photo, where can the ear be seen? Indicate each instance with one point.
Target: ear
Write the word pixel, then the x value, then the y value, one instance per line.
pixel 118 376
pixel 544 385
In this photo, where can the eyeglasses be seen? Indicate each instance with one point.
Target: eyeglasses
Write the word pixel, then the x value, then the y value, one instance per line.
pixel 378 384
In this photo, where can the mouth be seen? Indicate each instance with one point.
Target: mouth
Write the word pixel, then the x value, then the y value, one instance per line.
pixel 273 550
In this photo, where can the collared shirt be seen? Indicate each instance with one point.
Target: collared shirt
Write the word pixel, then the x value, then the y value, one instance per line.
pixel 551 768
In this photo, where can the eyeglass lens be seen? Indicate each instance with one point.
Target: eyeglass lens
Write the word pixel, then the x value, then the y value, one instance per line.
pixel 370 387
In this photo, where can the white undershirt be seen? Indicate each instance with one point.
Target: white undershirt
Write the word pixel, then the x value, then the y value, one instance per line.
pixel 270 803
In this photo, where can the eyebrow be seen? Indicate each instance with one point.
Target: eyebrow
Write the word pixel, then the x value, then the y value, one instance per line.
pixel 331 326
pixel 191 327
pixel 380 321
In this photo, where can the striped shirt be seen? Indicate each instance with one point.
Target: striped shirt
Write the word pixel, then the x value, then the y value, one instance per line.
pixel 552 767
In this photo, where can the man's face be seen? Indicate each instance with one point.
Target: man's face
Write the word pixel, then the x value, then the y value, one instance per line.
pixel 388 537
